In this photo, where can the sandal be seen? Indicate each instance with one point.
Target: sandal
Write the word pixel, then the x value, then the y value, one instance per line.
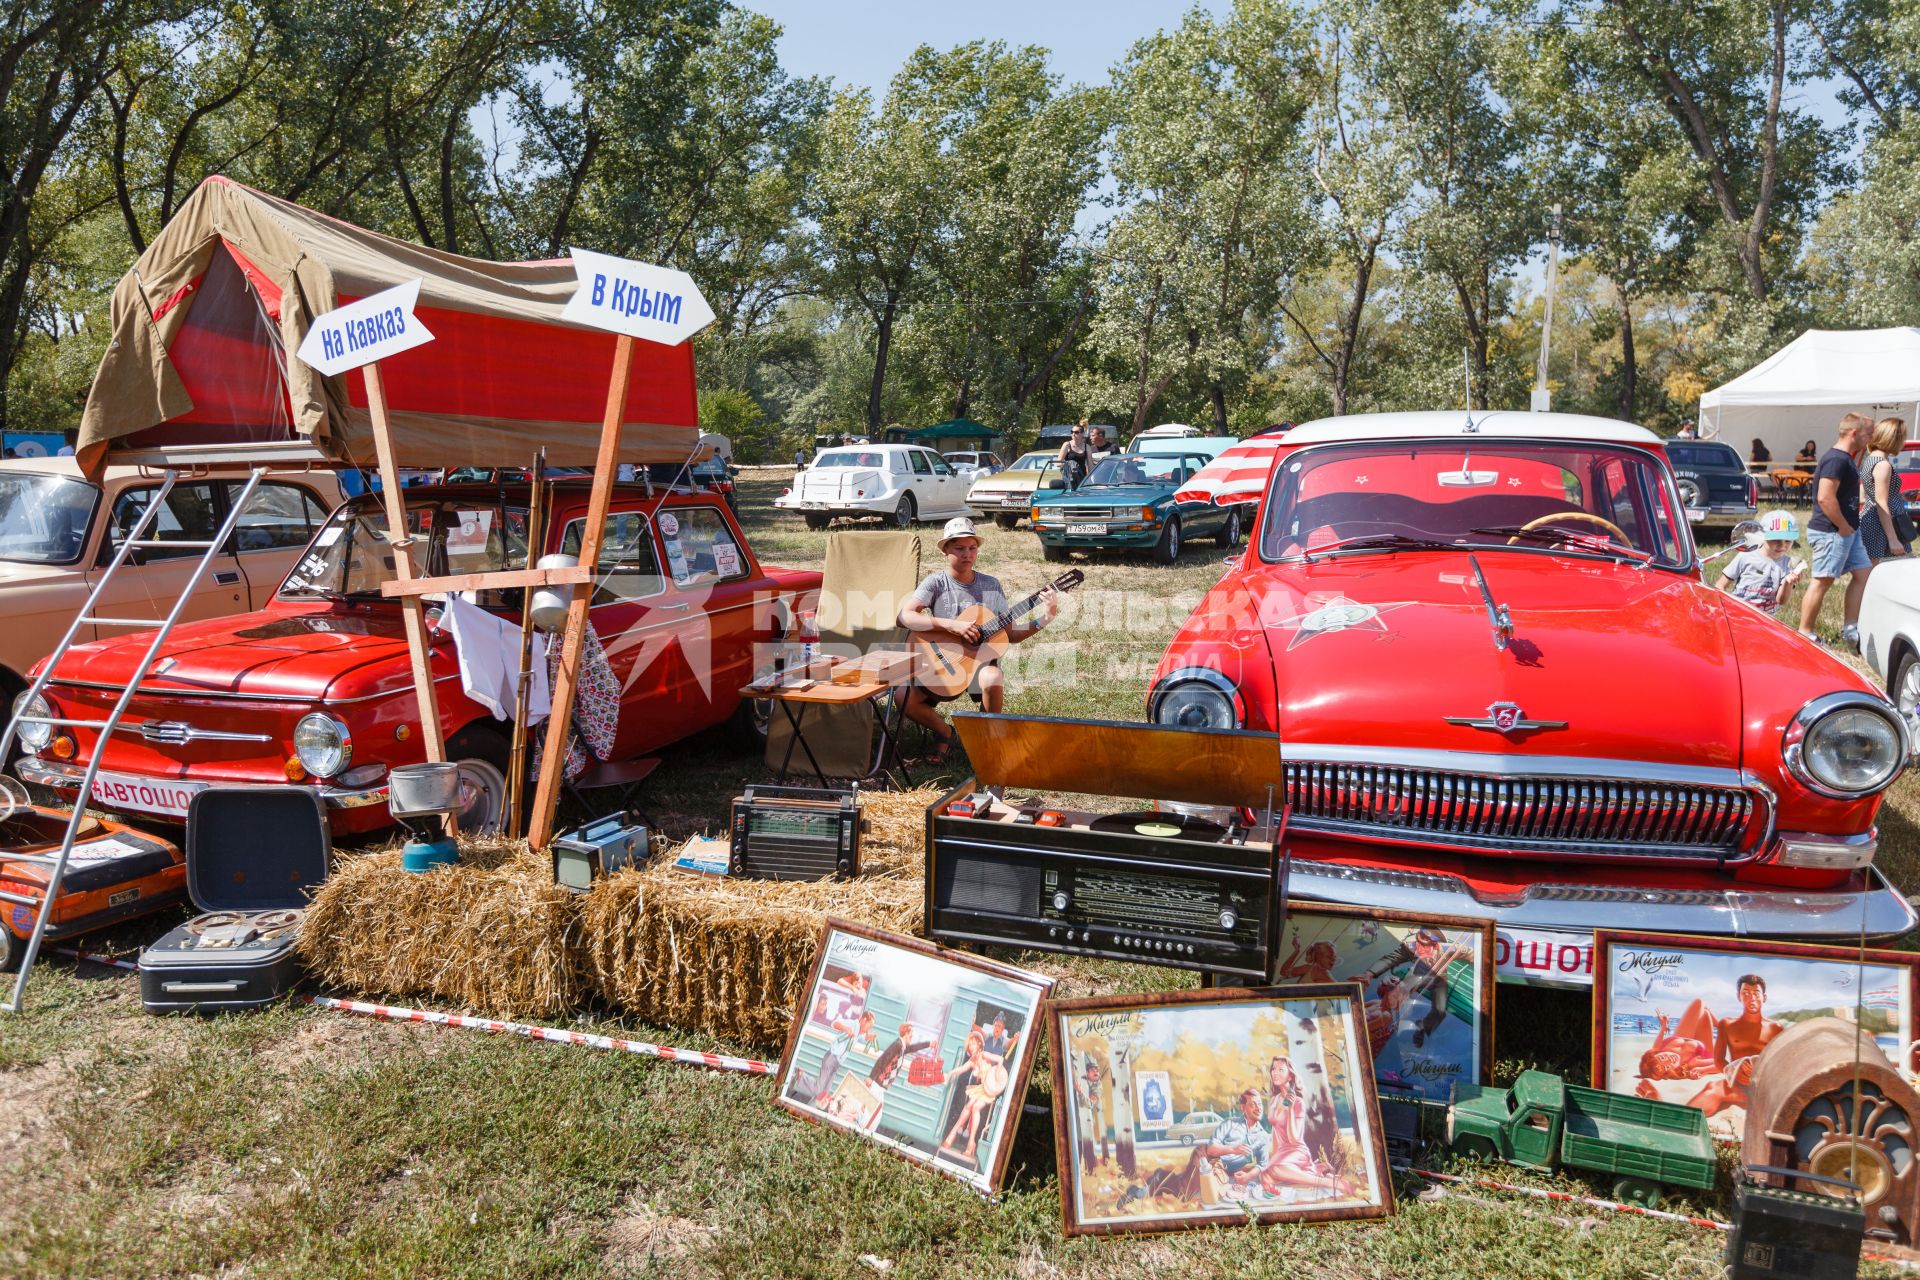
pixel 942 750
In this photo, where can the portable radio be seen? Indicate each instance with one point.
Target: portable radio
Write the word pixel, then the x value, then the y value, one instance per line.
pixel 796 833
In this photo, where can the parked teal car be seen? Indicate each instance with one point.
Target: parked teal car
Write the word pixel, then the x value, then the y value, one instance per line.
pixel 1126 504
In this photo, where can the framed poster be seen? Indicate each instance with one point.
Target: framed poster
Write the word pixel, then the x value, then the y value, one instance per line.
pixel 1426 985
pixel 923 1050
pixel 1683 1019
pixel 1269 1091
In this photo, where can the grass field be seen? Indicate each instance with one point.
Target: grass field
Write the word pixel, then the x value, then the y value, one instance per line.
pixel 296 1142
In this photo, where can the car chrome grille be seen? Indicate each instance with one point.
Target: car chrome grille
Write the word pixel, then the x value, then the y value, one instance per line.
pixel 1565 815
pixel 1086 513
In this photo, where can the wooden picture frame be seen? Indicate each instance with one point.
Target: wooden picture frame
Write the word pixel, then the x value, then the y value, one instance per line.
pixel 907 1036
pixel 1219 1164
pixel 1422 1042
pixel 1675 1018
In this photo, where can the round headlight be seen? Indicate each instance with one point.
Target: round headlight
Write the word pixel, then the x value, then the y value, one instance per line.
pixel 1194 704
pixel 34 737
pixel 322 744
pixel 1846 746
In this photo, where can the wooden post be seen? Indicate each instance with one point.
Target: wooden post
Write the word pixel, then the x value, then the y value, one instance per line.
pixel 400 538
pixel 536 545
pixel 566 680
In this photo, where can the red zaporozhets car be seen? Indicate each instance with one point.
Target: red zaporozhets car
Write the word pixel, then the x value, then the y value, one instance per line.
pixel 1504 691
pixel 317 686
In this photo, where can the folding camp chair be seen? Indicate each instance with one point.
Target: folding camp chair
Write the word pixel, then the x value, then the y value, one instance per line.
pixel 867 579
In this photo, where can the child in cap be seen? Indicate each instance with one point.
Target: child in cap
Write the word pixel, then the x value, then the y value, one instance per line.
pixel 1764 575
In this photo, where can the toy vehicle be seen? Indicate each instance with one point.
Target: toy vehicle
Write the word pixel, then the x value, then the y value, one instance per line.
pixel 899 483
pixel 1713 480
pixel 317 686
pixel 58 530
pixel 1007 496
pixel 1127 503
pixel 1545 1123
pixel 1504 692
pixel 114 873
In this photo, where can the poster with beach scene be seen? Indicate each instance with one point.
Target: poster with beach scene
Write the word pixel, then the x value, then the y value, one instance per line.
pixel 1268 1101
pixel 923 1050
pixel 1684 1019
pixel 1426 989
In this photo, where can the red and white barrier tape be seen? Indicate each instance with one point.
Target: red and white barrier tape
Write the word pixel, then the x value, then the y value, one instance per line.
pixel 692 1057
pixel 97 958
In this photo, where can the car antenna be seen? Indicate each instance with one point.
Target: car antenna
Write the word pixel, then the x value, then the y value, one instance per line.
pixel 1466 376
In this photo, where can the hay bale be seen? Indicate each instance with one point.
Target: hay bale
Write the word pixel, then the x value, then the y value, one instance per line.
pixel 492 933
pixel 731 957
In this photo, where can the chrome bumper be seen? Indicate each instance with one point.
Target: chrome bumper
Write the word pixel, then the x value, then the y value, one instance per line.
pixel 66 777
pixel 1574 911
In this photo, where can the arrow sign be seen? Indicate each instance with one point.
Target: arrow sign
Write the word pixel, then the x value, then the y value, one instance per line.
pixel 377 326
pixel 636 298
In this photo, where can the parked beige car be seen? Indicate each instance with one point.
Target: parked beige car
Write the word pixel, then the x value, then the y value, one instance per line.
pixel 59 531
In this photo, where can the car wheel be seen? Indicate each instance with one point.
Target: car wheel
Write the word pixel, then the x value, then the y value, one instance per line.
pixel 11 949
pixel 1007 522
pixel 1637 1191
pixel 1167 550
pixel 1904 691
pixel 1186 1139
pixel 1474 1149
pixel 1055 554
pixel 903 515
pixel 482 757
pixel 1230 535
pixel 816 522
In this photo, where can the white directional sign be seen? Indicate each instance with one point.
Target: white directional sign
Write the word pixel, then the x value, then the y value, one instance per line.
pixel 636 298
pixel 377 326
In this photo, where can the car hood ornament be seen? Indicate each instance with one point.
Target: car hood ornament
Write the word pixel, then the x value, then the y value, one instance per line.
pixel 1506 717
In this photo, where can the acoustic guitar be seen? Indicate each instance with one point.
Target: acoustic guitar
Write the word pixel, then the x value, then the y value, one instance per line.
pixel 944 664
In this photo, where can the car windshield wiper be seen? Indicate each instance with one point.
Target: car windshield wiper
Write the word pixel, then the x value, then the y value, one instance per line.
pixel 1374 542
pixel 1583 541
pixel 324 593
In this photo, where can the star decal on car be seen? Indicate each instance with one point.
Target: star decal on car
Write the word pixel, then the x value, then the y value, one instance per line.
pixel 1338 614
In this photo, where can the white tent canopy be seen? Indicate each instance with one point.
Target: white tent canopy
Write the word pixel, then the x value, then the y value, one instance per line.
pixel 1802 391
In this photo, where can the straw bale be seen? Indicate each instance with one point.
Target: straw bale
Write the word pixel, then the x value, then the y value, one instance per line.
pixel 730 957
pixel 492 932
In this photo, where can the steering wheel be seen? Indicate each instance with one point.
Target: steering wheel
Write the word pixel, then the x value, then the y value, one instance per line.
pixel 1587 516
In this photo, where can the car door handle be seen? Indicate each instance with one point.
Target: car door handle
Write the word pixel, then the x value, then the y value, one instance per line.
pixel 682 607
pixel 226 579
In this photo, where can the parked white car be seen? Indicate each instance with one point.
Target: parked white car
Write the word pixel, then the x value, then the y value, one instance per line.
pixel 972 465
pixel 1890 634
pixel 899 483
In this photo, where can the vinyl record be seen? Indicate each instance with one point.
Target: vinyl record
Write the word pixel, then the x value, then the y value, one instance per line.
pixel 1159 826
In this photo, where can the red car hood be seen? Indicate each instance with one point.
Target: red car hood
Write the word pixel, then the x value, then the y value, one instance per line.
pixel 1638 662
pixel 285 652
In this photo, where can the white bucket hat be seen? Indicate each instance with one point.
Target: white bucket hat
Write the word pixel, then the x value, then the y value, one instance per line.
pixel 958 527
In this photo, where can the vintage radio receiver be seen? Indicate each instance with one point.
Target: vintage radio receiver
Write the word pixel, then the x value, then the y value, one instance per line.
pixel 796 833
pixel 1157 887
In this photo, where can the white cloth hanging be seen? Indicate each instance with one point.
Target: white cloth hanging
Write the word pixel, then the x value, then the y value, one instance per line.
pixel 489 650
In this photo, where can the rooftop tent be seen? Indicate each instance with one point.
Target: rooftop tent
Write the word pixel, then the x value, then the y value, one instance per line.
pixel 1803 390
pixel 198 364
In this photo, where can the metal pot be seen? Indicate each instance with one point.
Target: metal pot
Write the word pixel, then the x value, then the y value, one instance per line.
pixel 550 603
pixel 417 790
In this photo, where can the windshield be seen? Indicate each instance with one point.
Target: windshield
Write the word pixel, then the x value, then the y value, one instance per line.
pixel 852 458
pixel 1135 468
pixel 1033 461
pixel 1549 497
pixel 44 519
pixel 350 555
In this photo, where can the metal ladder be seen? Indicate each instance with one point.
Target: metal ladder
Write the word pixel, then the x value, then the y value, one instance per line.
pixel 136 540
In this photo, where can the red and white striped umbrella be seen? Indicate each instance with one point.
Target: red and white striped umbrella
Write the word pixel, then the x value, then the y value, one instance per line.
pixel 1238 475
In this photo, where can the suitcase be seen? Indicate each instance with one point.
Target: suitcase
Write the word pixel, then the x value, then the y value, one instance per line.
pixel 254 854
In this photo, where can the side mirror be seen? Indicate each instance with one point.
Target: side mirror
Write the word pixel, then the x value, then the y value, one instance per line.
pixel 1053 484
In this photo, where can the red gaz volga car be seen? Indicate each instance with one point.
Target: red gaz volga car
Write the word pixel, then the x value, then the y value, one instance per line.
pixel 1503 690
pixel 317 687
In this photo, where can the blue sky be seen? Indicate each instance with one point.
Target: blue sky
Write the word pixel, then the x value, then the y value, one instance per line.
pixel 863 42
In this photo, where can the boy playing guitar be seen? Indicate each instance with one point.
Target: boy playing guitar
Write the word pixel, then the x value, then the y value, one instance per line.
pixel 947 613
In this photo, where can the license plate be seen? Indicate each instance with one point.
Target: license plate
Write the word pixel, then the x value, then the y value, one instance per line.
pixel 1086 528
pixel 148 795
pixel 1013 502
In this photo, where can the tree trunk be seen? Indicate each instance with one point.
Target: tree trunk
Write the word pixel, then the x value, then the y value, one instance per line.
pixel 1218 394
pixel 883 334
pixel 1629 369
pixel 1350 320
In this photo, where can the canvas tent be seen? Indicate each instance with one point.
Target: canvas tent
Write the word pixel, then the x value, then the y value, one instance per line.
pixel 199 361
pixel 1803 390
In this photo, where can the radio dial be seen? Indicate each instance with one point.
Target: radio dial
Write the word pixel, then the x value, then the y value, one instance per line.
pixel 1228 918
pixel 1060 900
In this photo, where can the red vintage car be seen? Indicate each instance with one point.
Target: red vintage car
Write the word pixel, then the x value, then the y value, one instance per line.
pixel 317 686
pixel 1504 691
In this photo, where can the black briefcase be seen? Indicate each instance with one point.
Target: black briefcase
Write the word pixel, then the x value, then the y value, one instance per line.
pixel 254 856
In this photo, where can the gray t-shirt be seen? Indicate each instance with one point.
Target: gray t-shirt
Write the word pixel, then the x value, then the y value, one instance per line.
pixel 944 597
pixel 1757 577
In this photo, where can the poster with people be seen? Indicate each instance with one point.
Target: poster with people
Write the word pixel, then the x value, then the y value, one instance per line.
pixel 1685 1020
pixel 1271 1109
pixel 920 1049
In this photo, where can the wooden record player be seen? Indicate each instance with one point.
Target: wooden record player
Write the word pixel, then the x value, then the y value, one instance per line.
pixel 1202 891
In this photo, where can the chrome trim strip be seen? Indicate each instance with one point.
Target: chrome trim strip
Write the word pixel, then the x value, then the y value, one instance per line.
pixel 62 777
pixel 1502 764
pixel 179 732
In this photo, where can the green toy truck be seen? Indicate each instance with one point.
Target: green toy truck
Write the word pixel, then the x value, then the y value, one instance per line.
pixel 1545 1123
